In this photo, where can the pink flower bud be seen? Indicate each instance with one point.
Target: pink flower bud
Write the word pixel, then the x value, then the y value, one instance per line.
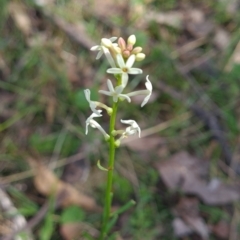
pixel 122 43
pixel 126 53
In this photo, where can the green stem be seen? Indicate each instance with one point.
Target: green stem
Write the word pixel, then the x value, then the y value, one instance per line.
pixel 108 193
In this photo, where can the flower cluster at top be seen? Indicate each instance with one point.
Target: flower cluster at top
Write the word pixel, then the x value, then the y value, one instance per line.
pixel 121 56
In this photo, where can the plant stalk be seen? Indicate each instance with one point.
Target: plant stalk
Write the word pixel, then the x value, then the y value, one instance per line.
pixel 108 193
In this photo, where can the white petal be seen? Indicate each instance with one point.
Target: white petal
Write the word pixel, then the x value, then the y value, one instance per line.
pixel 145 100
pixel 93 108
pixel 120 61
pixel 112 39
pixel 95 124
pixel 135 71
pixel 115 98
pixel 125 96
pixel 130 61
pixel 130 122
pixel 139 132
pixel 93 115
pixel 119 89
pixel 109 57
pixel 100 53
pixel 86 131
pixel 124 79
pixel 87 94
pixel 136 93
pixel 92 104
pixel 95 48
pixel 114 70
pixel 134 124
pixel 148 84
pixel 130 131
pixel 105 92
pixel 110 86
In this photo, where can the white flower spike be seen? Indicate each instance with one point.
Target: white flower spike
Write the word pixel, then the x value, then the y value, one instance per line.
pixel 132 129
pixel 115 93
pixel 90 121
pixel 125 68
pixel 100 47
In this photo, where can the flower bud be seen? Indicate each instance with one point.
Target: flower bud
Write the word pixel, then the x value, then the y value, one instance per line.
pixel 136 50
pixel 126 54
pixel 140 56
pixel 129 47
pixel 114 133
pixel 122 43
pixel 109 111
pixel 131 40
pixel 106 137
pixel 117 143
pixel 117 49
pixel 106 42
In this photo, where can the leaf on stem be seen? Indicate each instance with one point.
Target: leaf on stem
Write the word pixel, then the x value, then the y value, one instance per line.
pixel 101 167
pixel 124 208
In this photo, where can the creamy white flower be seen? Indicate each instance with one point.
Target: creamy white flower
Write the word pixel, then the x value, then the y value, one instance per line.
pixel 125 68
pixel 132 129
pixel 115 92
pixel 94 104
pixel 147 92
pixel 93 115
pixel 90 121
pixel 100 48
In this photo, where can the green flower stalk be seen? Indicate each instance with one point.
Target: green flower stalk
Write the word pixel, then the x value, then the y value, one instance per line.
pixel 121 57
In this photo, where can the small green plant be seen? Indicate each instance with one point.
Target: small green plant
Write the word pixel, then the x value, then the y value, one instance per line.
pixel 121 56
